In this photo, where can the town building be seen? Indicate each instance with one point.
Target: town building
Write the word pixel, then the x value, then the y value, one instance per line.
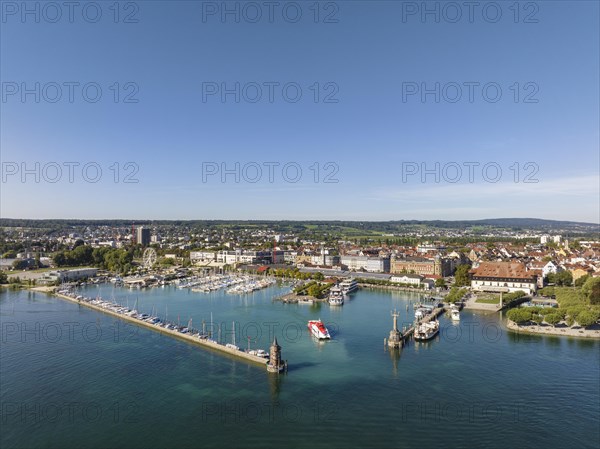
pixel 503 277
pixel 76 274
pixel 421 265
pixel 371 264
pixel 142 236
pixel 415 280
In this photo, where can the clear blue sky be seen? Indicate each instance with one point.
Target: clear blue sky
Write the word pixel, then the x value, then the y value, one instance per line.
pixel 370 55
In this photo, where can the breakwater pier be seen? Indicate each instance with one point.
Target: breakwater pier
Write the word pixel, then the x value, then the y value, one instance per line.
pixel 200 338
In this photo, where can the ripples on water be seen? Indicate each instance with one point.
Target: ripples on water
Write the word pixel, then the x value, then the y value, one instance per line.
pixel 474 386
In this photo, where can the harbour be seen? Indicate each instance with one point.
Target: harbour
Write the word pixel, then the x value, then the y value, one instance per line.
pixel 204 342
pixel 171 392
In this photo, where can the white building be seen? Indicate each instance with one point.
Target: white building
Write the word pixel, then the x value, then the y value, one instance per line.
pixel 503 277
pixel 366 263
pixel 415 280
pixel 68 275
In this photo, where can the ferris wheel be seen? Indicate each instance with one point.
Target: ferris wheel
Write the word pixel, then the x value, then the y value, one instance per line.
pixel 149 257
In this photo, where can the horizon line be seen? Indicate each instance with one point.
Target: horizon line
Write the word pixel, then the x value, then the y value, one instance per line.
pixel 306 219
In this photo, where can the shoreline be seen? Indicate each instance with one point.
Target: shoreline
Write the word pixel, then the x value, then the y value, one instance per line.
pixel 549 330
pixel 398 288
pixel 215 347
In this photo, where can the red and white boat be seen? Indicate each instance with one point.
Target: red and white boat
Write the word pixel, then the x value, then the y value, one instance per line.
pixel 318 329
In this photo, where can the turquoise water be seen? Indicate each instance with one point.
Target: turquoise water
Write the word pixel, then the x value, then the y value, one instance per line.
pixel 73 377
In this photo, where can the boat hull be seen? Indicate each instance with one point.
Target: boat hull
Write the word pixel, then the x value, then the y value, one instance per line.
pixel 318 330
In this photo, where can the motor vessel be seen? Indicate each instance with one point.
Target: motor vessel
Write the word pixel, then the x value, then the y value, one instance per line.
pixel 318 329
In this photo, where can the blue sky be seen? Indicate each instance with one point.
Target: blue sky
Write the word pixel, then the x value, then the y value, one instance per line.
pixel 370 137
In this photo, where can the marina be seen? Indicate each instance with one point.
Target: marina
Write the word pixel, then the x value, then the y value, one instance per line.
pixel 330 384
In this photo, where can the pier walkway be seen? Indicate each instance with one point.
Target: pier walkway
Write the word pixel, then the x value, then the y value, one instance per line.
pixel 204 342
pixel 434 314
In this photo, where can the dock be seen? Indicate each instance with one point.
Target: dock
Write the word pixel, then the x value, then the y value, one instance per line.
pixel 205 343
pixel 398 339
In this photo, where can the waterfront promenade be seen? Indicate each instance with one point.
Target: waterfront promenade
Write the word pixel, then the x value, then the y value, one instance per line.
pixel 561 331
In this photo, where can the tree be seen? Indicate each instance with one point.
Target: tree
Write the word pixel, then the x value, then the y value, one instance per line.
pixel 3 278
pixel 553 319
pixel 519 315
pixel 461 276
pixel 581 280
pixel 440 283
pixel 591 290
pixel 562 278
pixel 586 318
pixel 314 290
pixel 456 294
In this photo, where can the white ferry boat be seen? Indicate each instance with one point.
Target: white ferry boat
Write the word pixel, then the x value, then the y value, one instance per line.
pixel 336 296
pixel 348 286
pixel 318 329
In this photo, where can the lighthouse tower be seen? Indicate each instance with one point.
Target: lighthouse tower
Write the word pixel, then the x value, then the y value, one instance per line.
pixel 275 364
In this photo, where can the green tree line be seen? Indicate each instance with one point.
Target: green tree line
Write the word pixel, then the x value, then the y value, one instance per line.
pixel 112 259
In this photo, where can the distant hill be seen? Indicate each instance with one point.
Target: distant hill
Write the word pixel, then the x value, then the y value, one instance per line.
pixel 383 226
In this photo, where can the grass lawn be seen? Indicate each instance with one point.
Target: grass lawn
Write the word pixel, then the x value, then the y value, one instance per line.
pixel 488 299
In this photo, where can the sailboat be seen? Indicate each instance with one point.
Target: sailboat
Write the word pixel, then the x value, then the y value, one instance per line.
pixel 233 345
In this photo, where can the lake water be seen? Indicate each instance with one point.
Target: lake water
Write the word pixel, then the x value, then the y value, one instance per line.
pixel 73 377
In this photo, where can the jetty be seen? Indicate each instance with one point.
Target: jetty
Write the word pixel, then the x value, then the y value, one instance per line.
pixel 399 338
pixel 195 338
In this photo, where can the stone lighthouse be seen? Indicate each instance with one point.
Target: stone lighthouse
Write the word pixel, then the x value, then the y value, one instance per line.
pixel 275 364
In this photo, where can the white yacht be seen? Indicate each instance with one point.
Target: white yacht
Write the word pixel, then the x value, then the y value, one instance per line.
pixel 336 296
pixel 348 286
pixel 454 313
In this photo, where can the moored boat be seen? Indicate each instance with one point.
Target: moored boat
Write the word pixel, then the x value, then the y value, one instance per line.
pixel 426 331
pixel 454 313
pixel 336 296
pixel 348 286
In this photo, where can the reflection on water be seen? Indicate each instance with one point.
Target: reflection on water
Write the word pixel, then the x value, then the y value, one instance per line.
pixel 186 391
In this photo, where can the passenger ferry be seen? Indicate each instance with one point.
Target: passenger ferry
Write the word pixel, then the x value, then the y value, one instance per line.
pixel 336 296
pixel 318 329
pixel 348 286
